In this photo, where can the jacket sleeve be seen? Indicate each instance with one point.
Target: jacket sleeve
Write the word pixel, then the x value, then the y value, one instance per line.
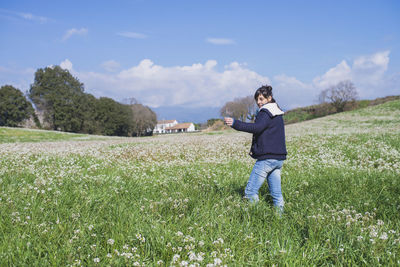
pixel 261 123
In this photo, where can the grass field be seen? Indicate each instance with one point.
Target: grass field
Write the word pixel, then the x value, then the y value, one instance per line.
pixel 176 200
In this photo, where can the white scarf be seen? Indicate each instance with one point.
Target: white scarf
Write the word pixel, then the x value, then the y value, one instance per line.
pixel 273 109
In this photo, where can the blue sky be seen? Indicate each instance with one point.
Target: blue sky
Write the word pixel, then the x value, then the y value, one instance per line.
pixel 201 54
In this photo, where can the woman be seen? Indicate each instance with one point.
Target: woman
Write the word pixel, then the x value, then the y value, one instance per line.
pixel 268 146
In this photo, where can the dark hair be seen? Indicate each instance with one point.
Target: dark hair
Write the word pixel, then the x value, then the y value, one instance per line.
pixel 266 91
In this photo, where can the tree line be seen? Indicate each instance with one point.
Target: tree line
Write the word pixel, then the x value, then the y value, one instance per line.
pixel 56 100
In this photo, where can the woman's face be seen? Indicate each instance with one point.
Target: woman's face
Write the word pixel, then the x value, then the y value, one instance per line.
pixel 261 100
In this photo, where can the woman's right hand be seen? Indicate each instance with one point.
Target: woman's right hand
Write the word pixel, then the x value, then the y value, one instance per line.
pixel 228 121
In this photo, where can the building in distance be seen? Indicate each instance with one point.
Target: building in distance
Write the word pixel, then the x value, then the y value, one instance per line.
pixel 172 126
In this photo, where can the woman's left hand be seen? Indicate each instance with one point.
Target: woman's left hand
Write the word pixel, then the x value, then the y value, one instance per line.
pixel 228 121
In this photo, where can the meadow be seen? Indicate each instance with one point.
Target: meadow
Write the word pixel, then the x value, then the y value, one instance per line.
pixel 176 200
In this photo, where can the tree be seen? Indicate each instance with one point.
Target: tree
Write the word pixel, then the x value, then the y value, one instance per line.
pixel 251 107
pixel 240 108
pixel 90 124
pixel 114 118
pixel 59 95
pixel 144 120
pixel 210 122
pixel 14 107
pixel 339 95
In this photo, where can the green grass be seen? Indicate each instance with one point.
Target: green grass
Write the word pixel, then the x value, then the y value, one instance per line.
pixel 177 199
pixel 12 135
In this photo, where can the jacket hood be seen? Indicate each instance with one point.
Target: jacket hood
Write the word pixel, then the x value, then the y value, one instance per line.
pixel 273 109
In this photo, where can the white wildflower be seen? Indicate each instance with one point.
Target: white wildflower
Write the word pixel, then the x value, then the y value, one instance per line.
pixel 175 258
pixel 384 236
pixel 217 261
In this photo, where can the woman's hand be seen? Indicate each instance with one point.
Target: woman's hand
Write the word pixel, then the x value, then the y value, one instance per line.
pixel 228 121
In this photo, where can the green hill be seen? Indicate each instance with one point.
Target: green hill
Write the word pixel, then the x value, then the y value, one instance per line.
pixel 321 110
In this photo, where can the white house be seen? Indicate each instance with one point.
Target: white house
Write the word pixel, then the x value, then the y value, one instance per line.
pixel 162 125
pixel 181 128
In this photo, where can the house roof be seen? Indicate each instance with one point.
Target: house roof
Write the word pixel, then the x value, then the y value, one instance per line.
pixel 165 121
pixel 180 126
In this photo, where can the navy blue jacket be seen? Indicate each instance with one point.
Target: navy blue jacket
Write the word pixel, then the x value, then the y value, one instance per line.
pixel 268 135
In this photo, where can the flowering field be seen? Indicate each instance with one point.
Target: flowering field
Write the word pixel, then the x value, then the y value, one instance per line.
pixel 176 200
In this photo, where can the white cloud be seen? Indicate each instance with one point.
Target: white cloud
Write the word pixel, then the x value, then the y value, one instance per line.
pixel 372 67
pixel 29 16
pixel 73 31
pixel 220 41
pixel 111 65
pixel 340 72
pixel 367 72
pixel 25 16
pixel 196 85
pixel 290 93
pixel 66 64
pixel 202 84
pixel 133 35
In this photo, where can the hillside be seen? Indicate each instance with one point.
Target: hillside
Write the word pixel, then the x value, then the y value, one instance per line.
pixel 372 119
pixel 321 110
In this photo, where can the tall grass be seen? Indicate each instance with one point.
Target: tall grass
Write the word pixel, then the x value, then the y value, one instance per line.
pixel 177 199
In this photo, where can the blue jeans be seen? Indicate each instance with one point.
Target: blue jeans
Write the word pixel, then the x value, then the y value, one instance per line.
pixel 270 169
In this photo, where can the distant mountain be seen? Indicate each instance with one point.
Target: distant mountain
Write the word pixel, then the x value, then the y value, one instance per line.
pixel 187 114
